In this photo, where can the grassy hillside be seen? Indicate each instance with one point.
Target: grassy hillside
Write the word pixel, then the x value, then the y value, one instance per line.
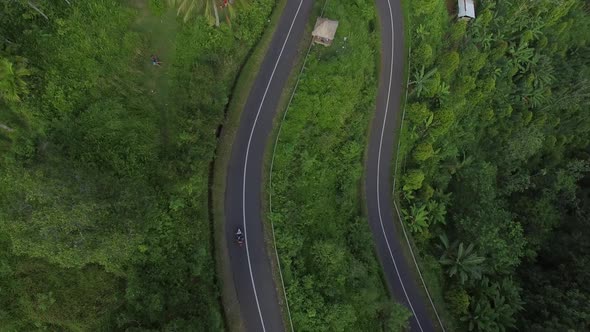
pixel 104 159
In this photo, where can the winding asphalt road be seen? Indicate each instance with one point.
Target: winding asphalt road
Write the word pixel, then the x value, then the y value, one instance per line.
pixel 378 167
pixel 250 264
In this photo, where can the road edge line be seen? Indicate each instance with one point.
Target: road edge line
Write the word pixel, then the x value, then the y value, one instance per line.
pixel 271 168
pixel 232 314
pixel 395 199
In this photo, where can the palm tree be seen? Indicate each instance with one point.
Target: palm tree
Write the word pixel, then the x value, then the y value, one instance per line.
pixel 208 8
pixel 577 94
pixel 442 92
pixel 542 70
pixel 483 38
pixel 188 8
pixel 536 97
pixel 437 212
pixel 421 80
pixel 422 31
pixel 31 4
pixel 521 56
pixel 460 260
pixel 12 83
pixel 456 165
pixel 12 87
pixel 493 305
pixel 481 317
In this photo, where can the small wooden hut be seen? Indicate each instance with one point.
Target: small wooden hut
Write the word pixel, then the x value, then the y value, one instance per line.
pixel 324 31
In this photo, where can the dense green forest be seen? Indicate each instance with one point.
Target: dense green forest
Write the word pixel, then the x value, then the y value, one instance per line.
pixel 495 161
pixel 332 276
pixel 104 162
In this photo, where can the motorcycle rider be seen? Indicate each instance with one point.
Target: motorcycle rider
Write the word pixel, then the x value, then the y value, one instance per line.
pixel 239 236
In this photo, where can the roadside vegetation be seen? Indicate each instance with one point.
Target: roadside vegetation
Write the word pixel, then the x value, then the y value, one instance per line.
pixel 495 181
pixel 332 276
pixel 104 162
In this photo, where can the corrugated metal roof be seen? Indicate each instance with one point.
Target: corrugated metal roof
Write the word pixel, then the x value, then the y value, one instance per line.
pixel 466 8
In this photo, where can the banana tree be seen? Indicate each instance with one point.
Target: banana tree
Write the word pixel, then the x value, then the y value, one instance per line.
pixel 421 80
pixel 461 260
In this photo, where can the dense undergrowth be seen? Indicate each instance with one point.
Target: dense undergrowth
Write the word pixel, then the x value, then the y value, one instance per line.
pixel 104 222
pixel 331 273
pixel 495 159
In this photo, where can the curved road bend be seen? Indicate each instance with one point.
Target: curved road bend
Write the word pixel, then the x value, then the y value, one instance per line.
pixel 377 182
pixel 252 276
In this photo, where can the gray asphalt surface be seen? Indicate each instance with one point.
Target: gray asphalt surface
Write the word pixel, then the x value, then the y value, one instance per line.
pixel 378 167
pixel 250 264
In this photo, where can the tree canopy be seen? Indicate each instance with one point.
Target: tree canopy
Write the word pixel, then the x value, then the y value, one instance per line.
pixel 498 134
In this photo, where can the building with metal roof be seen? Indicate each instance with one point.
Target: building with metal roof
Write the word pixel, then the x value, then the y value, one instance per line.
pixel 466 10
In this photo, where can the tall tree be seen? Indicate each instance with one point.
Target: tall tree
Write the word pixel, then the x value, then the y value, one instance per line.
pixel 460 260
pixel 12 80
